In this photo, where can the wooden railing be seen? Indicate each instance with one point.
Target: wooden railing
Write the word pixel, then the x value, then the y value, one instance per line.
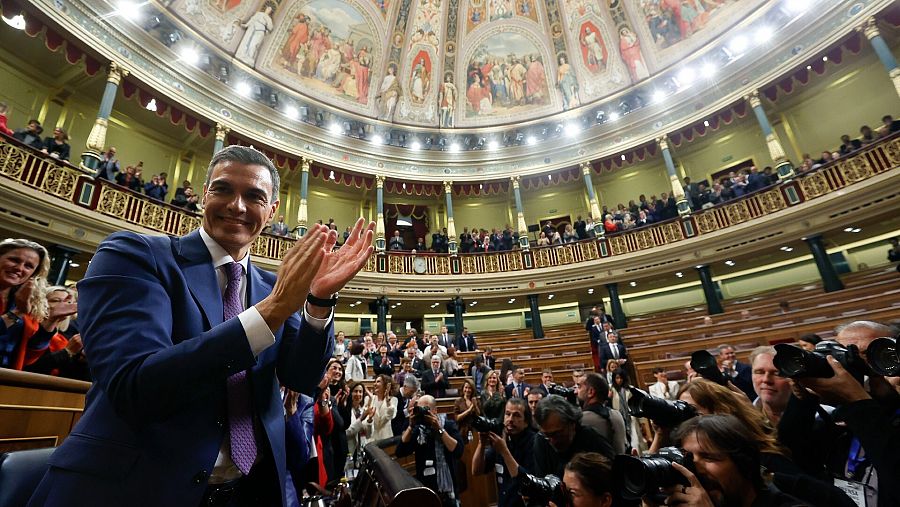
pixel 31 168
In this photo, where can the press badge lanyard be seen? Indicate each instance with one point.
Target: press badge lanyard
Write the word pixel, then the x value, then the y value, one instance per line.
pixel 854 461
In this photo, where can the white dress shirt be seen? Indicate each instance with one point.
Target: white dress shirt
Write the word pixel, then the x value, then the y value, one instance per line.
pixel 258 334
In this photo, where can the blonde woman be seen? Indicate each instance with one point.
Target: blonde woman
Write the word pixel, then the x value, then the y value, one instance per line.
pixel 492 397
pixel 385 404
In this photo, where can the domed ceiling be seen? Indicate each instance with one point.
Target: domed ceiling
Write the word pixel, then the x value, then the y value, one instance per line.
pixel 459 63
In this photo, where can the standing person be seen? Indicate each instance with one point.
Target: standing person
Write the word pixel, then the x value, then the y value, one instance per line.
pixel 597 335
pixel 466 408
pixel 108 168
pixel 593 393
pixel 356 365
pixel 434 380
pixel 466 342
pixel 184 336
pixel 492 398
pixel 518 388
pixel 337 390
pixel 894 252
pixel 385 405
pixel 478 371
pixel 360 418
pixel 509 454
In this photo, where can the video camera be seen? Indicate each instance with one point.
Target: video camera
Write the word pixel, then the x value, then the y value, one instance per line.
pixel 794 362
pixel 643 476
pixel 482 424
pixel 663 412
pixel 566 392
pixel 541 490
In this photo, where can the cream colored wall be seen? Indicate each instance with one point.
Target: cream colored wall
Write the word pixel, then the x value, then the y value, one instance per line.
pixel 651 303
pixel 329 200
pixel 560 316
pixel 770 279
pixel 485 212
pixel 622 185
pixel 725 147
pixel 872 256
pixel 570 199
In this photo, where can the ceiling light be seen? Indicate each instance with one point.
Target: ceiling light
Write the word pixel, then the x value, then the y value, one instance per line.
pixel 292 112
pixel 623 157
pixel 764 34
pixel 151 106
pixel 74 265
pixel 706 123
pixel 848 229
pixel 633 284
pixel 858 229
pixel 190 55
pixel 399 304
pixel 572 129
pixel 613 116
pixel 659 96
pixel 824 58
pixel 481 186
pixel 787 249
pixel 377 139
pixel 797 6
pixel 335 129
pixel 679 274
pixel 512 300
pixel 493 145
pixel 729 262
pixel 17 21
pixel 590 291
pixel 358 302
pixel 415 146
pixel 708 70
pixel 550 296
pixel 243 89
pixel 531 140
pixel 738 44
pixel 130 10
pixel 330 175
pixel 685 76
pixel 699 266
pixel 809 67
pixel 393 306
pixel 454 147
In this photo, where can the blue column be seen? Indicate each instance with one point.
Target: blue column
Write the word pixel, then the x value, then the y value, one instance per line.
pixel 677 189
pixel 60 260
pixel 379 209
pixel 537 330
pixel 830 279
pixel 713 304
pixel 381 311
pixel 451 225
pixel 783 166
pixel 303 213
pixel 459 307
pixel 521 226
pixel 592 198
pixel 221 133
pixel 883 51
pixel 96 141
pixel 615 304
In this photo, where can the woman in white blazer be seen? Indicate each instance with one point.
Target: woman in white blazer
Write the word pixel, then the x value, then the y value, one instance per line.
pixel 385 404
pixel 362 414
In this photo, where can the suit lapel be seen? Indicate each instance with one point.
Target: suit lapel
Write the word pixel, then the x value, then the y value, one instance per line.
pixel 196 264
pixel 257 288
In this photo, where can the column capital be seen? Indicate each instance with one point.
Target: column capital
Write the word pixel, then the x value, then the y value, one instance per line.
pixel 221 131
pixel 753 99
pixel 115 73
pixel 870 28
pixel 514 181
pixel 448 187
pixel 379 181
pixel 585 167
pixel 305 162
pixel 663 142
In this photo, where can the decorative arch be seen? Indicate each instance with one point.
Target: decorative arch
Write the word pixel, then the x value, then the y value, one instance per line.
pixel 594 53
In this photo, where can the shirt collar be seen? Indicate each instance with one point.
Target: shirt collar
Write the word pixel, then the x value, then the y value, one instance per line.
pixel 218 254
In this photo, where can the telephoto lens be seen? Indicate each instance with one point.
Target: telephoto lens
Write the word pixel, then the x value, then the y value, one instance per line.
pixel 566 392
pixel 663 412
pixel 706 366
pixel 482 424
pixel 883 357
pixel 794 362
pixel 542 490
pixel 421 412
pixel 644 476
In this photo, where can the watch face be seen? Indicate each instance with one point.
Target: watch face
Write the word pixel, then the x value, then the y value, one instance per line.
pixel 419 265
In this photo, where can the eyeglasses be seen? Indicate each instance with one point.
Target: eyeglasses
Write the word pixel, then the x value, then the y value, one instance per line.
pixel 552 435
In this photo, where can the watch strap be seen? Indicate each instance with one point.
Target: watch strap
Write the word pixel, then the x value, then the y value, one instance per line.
pixel 325 303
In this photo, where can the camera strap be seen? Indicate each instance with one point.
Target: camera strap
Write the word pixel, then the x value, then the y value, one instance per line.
pixel 854 461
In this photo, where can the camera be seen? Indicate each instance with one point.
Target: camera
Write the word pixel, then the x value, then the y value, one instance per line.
pixel 794 362
pixel 566 392
pixel 482 424
pixel 663 412
pixel 420 413
pixel 643 476
pixel 883 357
pixel 541 490
pixel 706 366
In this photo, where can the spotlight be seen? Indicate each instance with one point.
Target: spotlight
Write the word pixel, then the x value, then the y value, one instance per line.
pixel 454 147
pixel 531 141
pixel 590 291
pixel 377 139
pixel 151 106
pixel 706 123
pixel 613 116
pixel 190 55
pixel 335 129
pixel 415 146
pixel 243 88
pixel 764 34
pixel 739 44
pixel 572 129
pixel 659 96
pixel 291 112
pixel 708 70
pixel 685 76
pixel 797 6
pixel 17 21
pixel 493 145
pixel 130 10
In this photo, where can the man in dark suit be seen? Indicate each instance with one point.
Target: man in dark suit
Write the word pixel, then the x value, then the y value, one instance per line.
pixel 434 381
pixel 581 228
pixel 597 336
pixel 466 342
pixel 740 374
pixel 444 338
pixel 188 343
pixel 518 388
pixel 436 442
pixel 612 350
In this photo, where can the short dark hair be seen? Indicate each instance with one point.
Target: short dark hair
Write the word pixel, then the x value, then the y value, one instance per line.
pixel 522 404
pixel 811 338
pixel 245 155
pixel 557 404
pixel 598 384
pixel 728 434
pixel 594 470
pixel 887 117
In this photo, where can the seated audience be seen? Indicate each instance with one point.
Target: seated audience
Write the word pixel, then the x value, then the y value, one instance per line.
pixel 849 145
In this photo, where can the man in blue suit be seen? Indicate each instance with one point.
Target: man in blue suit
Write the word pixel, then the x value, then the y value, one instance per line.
pixel 188 343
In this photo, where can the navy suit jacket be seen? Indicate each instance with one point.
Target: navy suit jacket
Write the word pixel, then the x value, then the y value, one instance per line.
pixel 606 354
pixel 160 354
pixel 466 345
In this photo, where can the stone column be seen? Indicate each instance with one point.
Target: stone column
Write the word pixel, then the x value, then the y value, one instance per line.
pixel 592 198
pixel 221 132
pixel 783 166
pixel 615 305
pixel 303 210
pixel 379 218
pixel 677 188
pixel 96 141
pixel 830 279
pixel 709 291
pixel 459 306
pixel 870 29
pixel 536 328
pixel 60 259
pixel 451 226
pixel 381 311
pixel 520 214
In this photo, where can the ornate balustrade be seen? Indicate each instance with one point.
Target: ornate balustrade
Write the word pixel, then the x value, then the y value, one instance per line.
pixel 33 169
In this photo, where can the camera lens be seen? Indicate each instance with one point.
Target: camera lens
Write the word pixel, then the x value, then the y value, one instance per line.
pixel 644 476
pixel 883 357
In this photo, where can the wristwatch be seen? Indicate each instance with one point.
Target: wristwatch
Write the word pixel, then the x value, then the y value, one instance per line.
pixel 441 432
pixel 325 303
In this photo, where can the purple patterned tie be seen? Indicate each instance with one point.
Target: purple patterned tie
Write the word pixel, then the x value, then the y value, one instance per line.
pixel 240 413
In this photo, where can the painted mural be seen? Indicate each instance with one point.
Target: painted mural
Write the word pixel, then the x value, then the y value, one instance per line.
pixel 486 11
pixel 228 23
pixel 328 48
pixel 421 64
pixel 505 75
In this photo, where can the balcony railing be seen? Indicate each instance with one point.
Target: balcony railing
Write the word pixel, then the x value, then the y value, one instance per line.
pixel 64 181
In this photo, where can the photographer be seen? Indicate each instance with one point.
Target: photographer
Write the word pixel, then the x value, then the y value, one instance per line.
pixel 507 454
pixel 727 467
pixel 562 435
pixel 865 458
pixel 588 480
pixel 593 393
pixel 435 440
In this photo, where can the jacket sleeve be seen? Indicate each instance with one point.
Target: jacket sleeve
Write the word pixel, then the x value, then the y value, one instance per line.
pixel 386 412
